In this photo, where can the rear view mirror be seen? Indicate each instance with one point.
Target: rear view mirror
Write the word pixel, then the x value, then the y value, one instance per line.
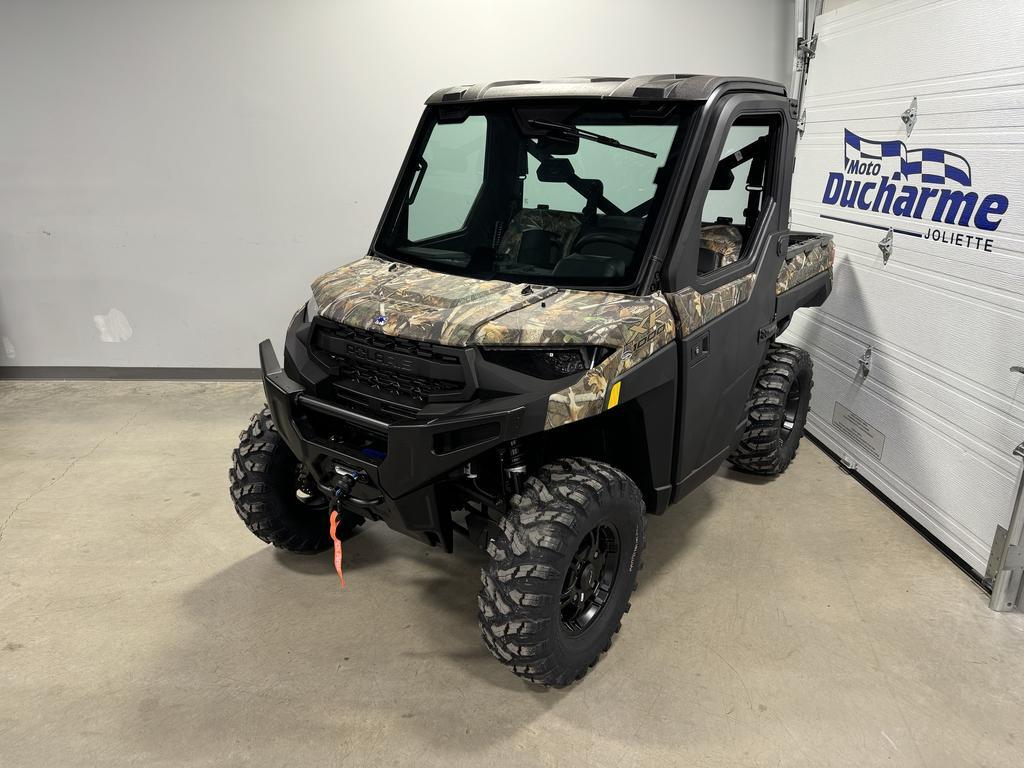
pixel 558 144
pixel 555 170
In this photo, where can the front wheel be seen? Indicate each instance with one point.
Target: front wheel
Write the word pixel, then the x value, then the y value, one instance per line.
pixel 776 412
pixel 562 570
pixel 275 496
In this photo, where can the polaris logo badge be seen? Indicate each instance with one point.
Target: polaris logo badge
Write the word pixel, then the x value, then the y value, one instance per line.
pixel 380 320
pixel 923 184
pixel 379 357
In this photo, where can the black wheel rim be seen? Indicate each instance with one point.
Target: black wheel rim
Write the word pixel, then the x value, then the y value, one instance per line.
pixel 793 399
pixel 589 580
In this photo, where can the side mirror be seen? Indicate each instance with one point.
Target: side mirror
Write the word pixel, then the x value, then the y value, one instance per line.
pixel 723 178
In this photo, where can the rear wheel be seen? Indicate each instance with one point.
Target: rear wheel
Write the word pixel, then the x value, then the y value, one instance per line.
pixel 275 495
pixel 776 412
pixel 562 570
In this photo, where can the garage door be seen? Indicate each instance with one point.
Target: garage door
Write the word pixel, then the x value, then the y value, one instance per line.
pixel 932 415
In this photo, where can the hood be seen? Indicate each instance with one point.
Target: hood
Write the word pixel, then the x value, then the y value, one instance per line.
pixel 423 305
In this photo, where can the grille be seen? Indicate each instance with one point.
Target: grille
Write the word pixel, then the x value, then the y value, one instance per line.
pixel 420 349
pixel 394 383
pixel 384 375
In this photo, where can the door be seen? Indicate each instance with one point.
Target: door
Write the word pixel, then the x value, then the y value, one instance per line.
pixel 722 278
pixel 933 415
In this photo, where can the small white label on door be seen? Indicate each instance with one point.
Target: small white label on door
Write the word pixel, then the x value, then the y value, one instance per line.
pixel 862 434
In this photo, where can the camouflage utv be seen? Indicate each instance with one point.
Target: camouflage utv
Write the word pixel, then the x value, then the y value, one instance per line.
pixel 567 319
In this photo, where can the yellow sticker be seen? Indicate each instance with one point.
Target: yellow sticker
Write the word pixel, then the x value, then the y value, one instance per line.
pixel 613 396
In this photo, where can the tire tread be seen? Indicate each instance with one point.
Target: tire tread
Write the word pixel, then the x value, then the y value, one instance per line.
pixel 523 579
pixel 252 492
pixel 761 448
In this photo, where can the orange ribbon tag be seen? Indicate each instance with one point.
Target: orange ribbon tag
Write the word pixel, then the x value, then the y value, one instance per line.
pixel 337 545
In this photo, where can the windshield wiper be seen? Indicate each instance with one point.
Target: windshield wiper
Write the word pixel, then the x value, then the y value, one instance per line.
pixel 579 133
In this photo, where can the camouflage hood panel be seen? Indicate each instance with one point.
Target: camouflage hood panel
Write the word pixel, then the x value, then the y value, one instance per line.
pixel 401 300
pixel 414 303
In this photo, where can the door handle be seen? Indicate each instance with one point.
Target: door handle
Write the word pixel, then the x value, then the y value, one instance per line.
pixel 701 348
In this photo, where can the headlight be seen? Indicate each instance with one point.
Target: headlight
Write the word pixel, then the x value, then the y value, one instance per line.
pixel 312 308
pixel 547 362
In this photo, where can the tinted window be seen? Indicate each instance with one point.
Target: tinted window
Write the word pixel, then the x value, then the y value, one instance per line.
pixel 628 178
pixel 738 193
pixel 452 173
pixel 730 203
pixel 563 193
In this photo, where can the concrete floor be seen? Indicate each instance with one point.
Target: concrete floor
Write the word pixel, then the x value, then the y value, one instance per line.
pixel 796 622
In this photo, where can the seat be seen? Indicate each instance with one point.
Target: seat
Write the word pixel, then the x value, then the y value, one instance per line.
pixel 725 240
pixel 561 227
pixel 580 265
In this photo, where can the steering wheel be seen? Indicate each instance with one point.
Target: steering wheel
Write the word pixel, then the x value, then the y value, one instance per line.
pixel 622 241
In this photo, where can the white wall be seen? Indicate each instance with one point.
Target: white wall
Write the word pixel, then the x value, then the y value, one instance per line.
pixel 194 164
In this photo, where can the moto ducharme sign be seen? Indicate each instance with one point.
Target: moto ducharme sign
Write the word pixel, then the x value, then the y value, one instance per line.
pixel 932 186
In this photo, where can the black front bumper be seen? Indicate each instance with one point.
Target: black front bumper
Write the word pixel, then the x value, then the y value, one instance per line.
pixel 400 477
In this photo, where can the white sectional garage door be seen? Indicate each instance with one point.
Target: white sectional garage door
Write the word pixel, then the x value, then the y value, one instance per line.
pixel 933 422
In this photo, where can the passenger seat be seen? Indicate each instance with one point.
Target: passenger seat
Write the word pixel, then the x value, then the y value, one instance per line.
pixel 561 228
pixel 725 240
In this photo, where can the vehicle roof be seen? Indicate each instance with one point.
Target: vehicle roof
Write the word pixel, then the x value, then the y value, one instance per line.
pixel 644 87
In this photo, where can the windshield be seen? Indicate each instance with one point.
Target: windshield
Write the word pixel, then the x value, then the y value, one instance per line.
pixel 562 194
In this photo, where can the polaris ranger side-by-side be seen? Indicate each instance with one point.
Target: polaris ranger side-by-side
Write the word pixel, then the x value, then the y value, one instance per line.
pixel 566 319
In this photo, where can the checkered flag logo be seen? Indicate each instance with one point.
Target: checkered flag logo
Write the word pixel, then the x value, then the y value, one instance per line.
pixel 930 166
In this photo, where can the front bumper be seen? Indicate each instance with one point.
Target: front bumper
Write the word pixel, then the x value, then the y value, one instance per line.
pixel 400 476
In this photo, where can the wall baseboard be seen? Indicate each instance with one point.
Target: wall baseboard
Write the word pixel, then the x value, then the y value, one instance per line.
pixel 89 372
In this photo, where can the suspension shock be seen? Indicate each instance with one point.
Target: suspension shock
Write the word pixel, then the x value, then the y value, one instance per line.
pixel 515 466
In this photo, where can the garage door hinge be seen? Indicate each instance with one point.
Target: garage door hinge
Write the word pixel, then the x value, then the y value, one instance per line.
pixel 909 116
pixel 805 51
pixel 864 363
pixel 801 123
pixel 885 246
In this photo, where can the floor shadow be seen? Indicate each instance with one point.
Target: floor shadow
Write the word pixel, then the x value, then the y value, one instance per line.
pixel 275 627
pixel 747 478
pixel 369 549
pixel 405 608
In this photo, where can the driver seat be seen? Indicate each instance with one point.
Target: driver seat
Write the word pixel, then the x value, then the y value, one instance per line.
pixel 561 228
